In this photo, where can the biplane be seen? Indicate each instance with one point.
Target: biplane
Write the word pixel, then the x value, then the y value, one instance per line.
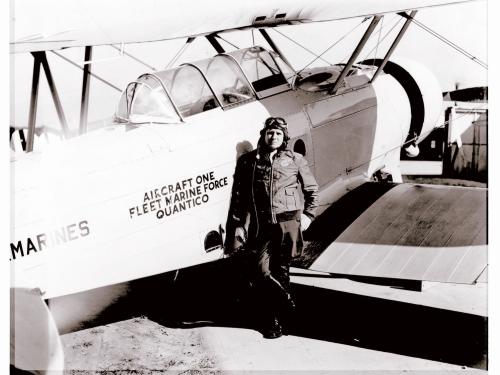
pixel 149 192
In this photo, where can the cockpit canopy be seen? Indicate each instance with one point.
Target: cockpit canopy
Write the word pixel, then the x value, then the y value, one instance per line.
pixel 222 81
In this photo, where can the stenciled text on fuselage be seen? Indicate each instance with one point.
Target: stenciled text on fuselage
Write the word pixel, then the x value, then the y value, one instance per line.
pixel 180 196
pixel 55 237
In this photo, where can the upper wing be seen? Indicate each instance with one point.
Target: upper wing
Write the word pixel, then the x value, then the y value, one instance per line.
pixel 417 232
pixel 55 24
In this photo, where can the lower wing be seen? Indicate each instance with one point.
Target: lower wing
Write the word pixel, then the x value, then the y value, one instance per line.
pixel 415 232
pixel 425 238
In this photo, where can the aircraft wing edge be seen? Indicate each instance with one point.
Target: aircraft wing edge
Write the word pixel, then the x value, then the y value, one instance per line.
pixel 77 24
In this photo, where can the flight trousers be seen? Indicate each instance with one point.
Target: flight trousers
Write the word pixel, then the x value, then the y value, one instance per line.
pixel 275 247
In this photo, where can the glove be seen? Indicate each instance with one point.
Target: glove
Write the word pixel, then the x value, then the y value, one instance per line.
pixel 305 221
pixel 240 238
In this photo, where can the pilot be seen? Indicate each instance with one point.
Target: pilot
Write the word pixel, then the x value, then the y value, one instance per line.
pixel 266 199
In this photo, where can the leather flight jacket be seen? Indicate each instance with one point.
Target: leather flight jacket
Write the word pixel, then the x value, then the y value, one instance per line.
pixel 269 189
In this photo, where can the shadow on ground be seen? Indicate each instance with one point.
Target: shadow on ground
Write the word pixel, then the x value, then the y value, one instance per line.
pixel 211 295
pixel 217 294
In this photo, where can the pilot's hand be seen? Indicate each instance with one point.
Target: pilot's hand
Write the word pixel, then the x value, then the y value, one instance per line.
pixel 305 221
pixel 235 245
pixel 240 236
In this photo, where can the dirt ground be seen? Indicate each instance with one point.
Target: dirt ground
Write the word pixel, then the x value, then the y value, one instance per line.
pixel 199 329
pixel 141 346
pixel 137 345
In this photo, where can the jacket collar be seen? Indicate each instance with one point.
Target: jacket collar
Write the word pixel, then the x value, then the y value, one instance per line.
pixel 259 152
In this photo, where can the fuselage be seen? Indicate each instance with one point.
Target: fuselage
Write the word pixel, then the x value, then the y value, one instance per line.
pixel 138 199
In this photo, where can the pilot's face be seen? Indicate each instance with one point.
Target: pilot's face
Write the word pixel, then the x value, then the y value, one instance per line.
pixel 274 138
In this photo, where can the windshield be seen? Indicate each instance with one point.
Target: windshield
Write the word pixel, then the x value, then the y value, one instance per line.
pixel 189 90
pixel 145 100
pixel 226 79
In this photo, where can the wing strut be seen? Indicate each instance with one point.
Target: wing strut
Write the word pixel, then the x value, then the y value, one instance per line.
pixel 33 102
pixel 178 54
pixel 215 43
pixel 273 45
pixel 41 59
pixel 55 95
pixel 84 109
pixel 356 53
pixel 409 18
pixel 92 74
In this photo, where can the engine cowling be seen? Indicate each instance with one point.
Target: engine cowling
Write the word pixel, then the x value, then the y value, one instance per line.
pixel 409 103
pixel 424 96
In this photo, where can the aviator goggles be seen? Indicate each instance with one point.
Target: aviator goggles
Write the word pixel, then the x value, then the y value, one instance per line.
pixel 276 121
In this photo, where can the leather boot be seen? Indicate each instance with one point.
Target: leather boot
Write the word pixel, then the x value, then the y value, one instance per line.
pixel 273 329
pixel 287 313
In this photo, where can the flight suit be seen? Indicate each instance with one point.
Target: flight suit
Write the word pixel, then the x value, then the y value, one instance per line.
pixel 266 197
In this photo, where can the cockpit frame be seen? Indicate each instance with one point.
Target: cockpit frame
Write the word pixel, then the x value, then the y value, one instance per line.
pixel 269 77
pixel 159 80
